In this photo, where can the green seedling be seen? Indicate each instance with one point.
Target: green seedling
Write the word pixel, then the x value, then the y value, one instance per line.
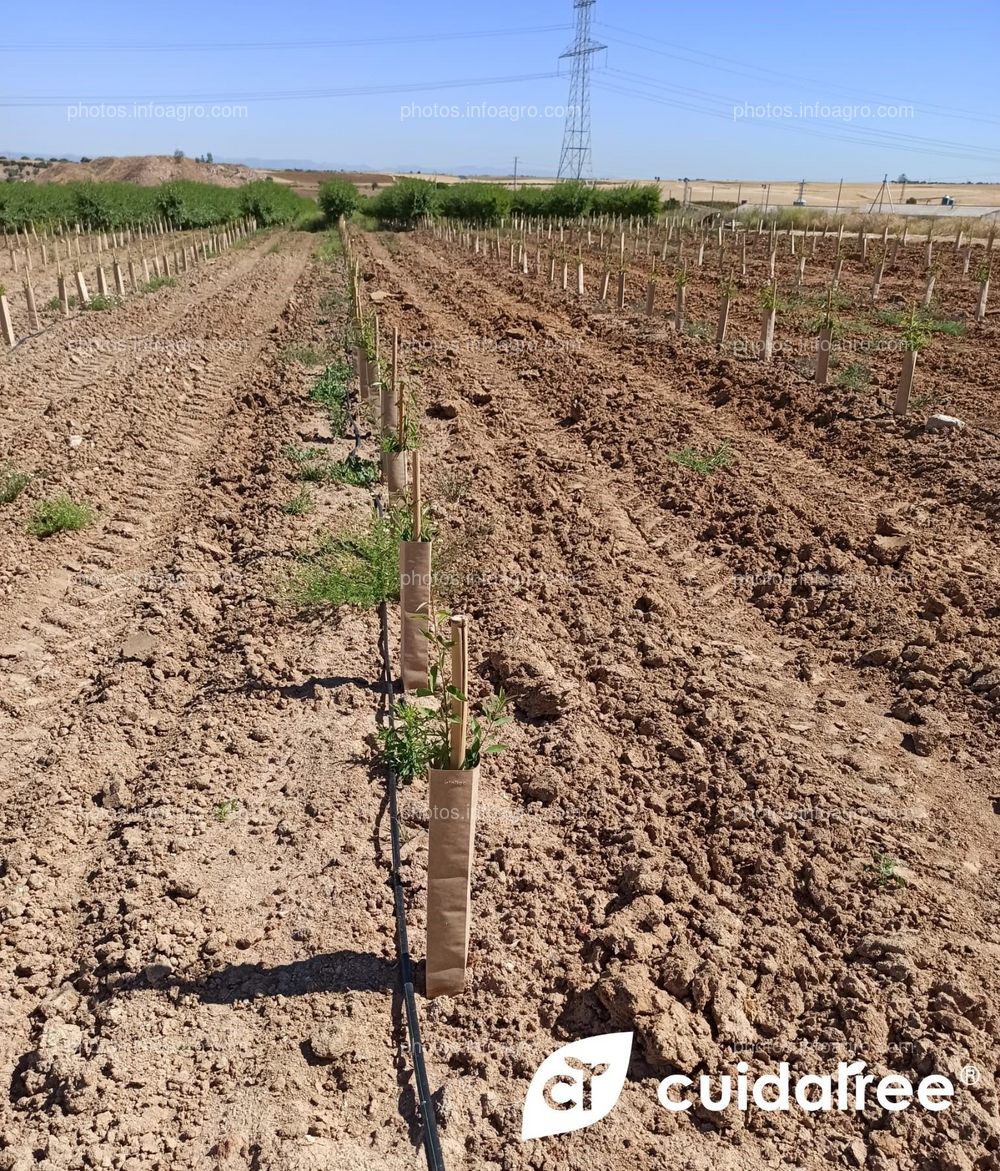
pixel 222 811
pixel 408 441
pixel 420 736
pixel 882 870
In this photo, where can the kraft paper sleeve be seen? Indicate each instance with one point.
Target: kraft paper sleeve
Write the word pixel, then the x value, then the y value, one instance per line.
pixel 394 465
pixel 453 797
pixel 415 608
pixel 388 408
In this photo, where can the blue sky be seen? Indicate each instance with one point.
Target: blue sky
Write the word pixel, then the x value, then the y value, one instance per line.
pixel 710 91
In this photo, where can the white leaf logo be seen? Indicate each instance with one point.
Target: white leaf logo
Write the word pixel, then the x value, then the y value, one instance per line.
pixel 576 1086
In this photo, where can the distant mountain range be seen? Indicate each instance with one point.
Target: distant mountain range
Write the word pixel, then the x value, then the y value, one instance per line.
pixel 398 168
pixel 262 164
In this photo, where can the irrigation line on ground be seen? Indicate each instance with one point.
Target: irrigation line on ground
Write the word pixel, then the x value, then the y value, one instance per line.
pixel 432 1143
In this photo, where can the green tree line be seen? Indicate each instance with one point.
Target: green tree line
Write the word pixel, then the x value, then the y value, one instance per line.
pixel 183 204
pixel 405 202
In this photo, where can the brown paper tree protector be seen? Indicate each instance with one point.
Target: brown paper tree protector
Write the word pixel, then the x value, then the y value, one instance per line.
pixel 984 296
pixel 394 463
pixel 928 291
pixel 823 345
pixel 723 325
pixel 29 297
pixel 453 793
pixel 6 328
pixel 415 568
pixel 902 403
pixel 767 319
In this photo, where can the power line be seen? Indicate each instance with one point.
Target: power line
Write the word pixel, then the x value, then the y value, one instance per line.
pixel 868 136
pixel 195 46
pixel 748 70
pixel 842 135
pixel 280 95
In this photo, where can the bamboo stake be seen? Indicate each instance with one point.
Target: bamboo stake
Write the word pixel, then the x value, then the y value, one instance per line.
pixel 460 681
pixel 417 503
pixel 397 394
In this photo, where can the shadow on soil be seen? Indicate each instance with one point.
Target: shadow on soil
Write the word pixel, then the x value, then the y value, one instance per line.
pixel 340 971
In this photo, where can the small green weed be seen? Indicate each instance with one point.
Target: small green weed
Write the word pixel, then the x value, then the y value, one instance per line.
pixel 53 304
pixel 300 505
pixel 222 811
pixel 99 304
pixel 307 355
pixel 882 871
pixel 59 515
pixel 854 376
pixel 705 465
pixel 302 455
pixel 330 248
pixel 12 483
pixel 332 391
pixel 359 570
pixel 919 324
pixel 158 282
pixel 362 473
pixel 453 488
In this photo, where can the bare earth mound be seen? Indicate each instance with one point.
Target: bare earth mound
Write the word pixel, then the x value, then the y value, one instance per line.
pixel 149 171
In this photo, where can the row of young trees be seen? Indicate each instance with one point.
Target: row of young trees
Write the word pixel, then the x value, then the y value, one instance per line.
pixel 407 201
pixel 185 205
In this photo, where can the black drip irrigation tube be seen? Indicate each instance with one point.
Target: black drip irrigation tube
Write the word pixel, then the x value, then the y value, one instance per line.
pixel 432 1143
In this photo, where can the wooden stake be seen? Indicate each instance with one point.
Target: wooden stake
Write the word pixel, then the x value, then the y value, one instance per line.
pixel 460 681
pixel 416 501
pixel 397 396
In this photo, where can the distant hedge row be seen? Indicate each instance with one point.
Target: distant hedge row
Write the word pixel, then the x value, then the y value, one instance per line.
pixel 487 203
pixel 102 206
